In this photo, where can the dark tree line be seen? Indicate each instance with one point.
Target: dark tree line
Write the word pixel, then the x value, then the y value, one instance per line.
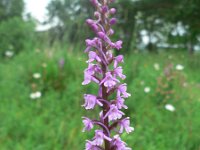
pixel 166 24
pixel 158 18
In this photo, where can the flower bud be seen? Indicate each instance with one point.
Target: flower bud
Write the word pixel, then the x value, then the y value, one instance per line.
pixel 101 35
pixel 104 9
pixel 94 2
pixel 90 21
pixel 113 21
pixel 95 28
pixel 112 11
pixel 111 1
pixel 97 15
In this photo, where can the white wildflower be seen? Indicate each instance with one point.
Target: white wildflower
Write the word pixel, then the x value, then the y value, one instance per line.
pixel 35 95
pixel 170 107
pixel 156 66
pixel 36 75
pixel 38 94
pixel 9 53
pixel 179 67
pixel 147 89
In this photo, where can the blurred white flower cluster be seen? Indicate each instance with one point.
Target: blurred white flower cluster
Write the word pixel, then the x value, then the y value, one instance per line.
pixel 179 67
pixel 36 75
pixel 35 95
pixel 147 89
pixel 9 54
pixel 170 107
pixel 156 66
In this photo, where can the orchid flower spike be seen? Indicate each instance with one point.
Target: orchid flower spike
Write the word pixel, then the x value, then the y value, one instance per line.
pixel 105 71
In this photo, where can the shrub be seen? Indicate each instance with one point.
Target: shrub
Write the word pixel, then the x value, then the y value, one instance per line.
pixel 15 35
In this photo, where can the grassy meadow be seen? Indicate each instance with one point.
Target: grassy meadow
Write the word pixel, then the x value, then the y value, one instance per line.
pixel 51 120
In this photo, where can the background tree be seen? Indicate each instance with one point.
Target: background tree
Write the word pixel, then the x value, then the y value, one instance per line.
pixel 69 17
pixel 188 12
pixel 11 8
pixel 158 18
pixel 14 30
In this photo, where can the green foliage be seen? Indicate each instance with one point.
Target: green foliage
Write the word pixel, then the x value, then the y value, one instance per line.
pixel 167 82
pixel 53 121
pixel 10 9
pixel 16 35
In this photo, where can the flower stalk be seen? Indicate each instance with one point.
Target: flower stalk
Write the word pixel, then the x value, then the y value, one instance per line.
pixel 104 70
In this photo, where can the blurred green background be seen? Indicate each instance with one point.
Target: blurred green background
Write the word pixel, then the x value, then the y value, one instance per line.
pixel 41 73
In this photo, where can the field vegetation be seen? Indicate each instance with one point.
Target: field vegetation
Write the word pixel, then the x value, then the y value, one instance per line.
pixel 52 119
